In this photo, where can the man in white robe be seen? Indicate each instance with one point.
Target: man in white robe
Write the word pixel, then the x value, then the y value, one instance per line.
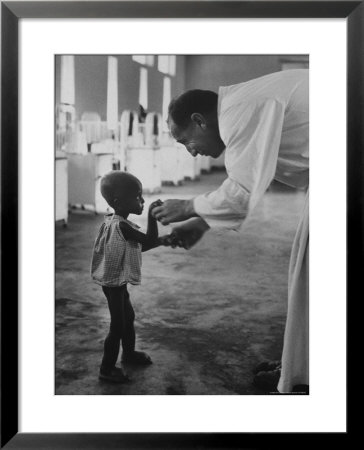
pixel 263 126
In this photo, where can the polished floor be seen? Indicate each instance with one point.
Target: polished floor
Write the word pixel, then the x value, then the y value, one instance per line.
pixel 206 316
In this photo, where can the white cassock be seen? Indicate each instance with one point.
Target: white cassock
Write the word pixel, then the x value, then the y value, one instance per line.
pixel 264 124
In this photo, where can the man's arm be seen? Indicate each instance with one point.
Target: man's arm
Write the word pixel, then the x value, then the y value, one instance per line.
pixel 252 146
pixel 174 211
pixel 252 137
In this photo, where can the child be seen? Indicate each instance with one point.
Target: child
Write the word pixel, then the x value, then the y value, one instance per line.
pixel 116 262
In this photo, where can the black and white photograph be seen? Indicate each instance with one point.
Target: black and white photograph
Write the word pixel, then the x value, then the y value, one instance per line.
pixel 182 211
pixel 181 224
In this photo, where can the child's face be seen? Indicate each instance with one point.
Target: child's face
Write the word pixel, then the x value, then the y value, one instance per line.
pixel 135 201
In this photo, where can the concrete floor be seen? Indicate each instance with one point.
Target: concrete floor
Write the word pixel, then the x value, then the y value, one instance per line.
pixel 206 316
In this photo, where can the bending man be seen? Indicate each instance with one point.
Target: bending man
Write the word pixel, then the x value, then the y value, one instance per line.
pixel 263 126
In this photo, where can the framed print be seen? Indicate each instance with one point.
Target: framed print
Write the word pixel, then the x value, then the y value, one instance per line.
pixel 49 399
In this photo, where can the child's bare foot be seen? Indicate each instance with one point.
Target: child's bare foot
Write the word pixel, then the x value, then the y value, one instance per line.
pixel 137 358
pixel 114 375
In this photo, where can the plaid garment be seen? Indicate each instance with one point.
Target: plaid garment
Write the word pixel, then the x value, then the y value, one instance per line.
pixel 115 261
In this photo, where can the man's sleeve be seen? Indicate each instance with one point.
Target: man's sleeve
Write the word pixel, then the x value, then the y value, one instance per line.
pixel 253 136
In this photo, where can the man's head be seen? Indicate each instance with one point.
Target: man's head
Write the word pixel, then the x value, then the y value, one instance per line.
pixel 192 120
pixel 122 191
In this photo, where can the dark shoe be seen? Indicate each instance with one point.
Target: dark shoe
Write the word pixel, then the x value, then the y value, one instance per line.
pixel 114 375
pixel 267 366
pixel 140 358
pixel 267 381
pixel 301 389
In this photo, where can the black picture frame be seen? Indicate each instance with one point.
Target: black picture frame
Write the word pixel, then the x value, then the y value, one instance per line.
pixel 11 13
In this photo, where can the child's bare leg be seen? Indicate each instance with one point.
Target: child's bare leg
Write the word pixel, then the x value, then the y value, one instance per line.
pixel 130 355
pixel 108 371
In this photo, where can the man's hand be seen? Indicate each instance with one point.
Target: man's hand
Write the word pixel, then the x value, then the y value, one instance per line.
pixel 190 233
pixel 174 211
pixel 170 240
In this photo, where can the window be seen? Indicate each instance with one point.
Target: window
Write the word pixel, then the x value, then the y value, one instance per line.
pixel 166 101
pixel 67 94
pixel 143 88
pixel 112 93
pixel 147 60
pixel 167 64
pixel 163 63
pixel 172 65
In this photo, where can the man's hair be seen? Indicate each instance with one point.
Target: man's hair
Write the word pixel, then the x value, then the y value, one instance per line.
pixel 194 101
pixel 116 182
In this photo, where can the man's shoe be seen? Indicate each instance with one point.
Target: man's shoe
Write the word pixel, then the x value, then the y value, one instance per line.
pixel 267 381
pixel 301 389
pixel 267 366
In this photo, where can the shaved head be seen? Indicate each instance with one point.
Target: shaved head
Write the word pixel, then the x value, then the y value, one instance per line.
pixel 116 184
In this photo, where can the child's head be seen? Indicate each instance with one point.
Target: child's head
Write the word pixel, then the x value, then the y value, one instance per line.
pixel 123 192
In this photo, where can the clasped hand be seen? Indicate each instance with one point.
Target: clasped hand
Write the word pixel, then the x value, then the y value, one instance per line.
pixel 173 211
pixel 185 235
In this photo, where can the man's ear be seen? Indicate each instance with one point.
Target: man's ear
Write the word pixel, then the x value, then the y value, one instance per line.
pixel 199 120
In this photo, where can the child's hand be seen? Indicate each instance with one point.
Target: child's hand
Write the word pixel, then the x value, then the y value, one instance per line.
pixel 154 205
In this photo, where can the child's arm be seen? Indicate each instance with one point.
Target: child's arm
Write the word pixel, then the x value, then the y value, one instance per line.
pixel 150 238
pixel 152 227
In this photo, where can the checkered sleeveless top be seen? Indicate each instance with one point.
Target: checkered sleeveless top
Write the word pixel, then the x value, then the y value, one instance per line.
pixel 115 261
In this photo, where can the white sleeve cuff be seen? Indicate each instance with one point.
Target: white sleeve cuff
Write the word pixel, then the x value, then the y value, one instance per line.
pixel 231 221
